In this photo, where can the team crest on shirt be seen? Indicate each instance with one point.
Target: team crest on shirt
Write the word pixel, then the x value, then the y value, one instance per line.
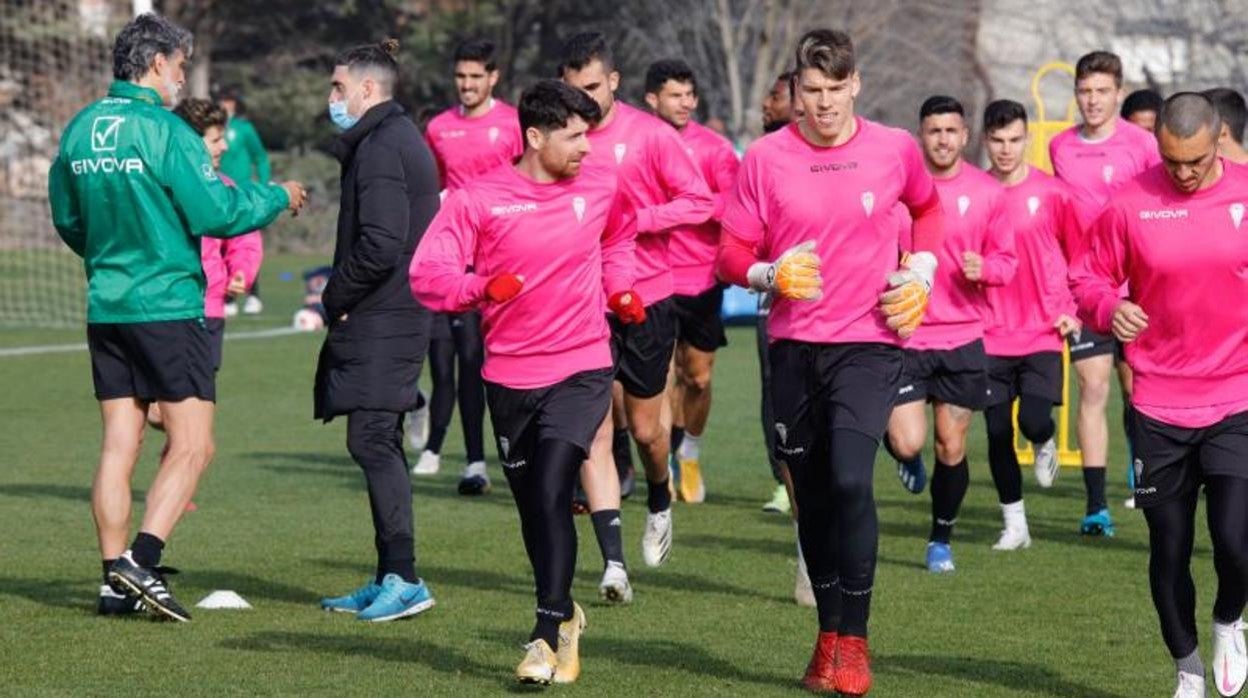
pixel 578 207
pixel 492 134
pixel 964 203
pixel 1237 214
pixel 620 149
pixel 1107 173
pixel 1033 205
pixel 868 202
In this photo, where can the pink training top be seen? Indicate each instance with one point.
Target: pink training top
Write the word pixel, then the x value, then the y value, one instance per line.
pixel 571 242
pixel 659 181
pixel 692 248
pixel 1022 314
pixel 790 191
pixel 1096 169
pixel 466 148
pixel 222 258
pixel 975 221
pixel 1184 257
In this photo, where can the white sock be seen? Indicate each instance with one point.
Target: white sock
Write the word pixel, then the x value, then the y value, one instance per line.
pixel 688 447
pixel 1015 515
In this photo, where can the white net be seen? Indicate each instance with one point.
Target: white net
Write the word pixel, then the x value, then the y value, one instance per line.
pixel 55 57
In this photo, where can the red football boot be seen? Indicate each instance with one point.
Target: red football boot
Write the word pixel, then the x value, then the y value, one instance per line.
pixel 819 676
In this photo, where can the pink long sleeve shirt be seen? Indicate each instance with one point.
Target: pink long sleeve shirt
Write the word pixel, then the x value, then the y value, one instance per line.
pixel 1022 314
pixel 975 221
pixel 790 191
pixel 572 243
pixel 222 258
pixel 660 182
pixel 465 148
pixel 692 248
pixel 1094 170
pixel 1185 259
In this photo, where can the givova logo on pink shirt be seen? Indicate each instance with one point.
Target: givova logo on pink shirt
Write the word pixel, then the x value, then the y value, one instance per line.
pixel 510 209
pixel 1164 214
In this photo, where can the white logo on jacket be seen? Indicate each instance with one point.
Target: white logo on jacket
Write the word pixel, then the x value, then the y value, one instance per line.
pixel 620 149
pixel 493 134
pixel 509 209
pixel 1107 173
pixel 578 206
pixel 868 202
pixel 104 132
pixel 1033 205
pixel 964 203
pixel 1237 214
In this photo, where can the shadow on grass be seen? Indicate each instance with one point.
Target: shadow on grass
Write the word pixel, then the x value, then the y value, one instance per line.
pixel 47 490
pixel 249 586
pixel 72 594
pixel 435 575
pixel 1027 678
pixel 400 650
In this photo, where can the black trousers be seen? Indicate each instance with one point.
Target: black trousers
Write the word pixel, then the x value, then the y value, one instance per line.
pixel 375 441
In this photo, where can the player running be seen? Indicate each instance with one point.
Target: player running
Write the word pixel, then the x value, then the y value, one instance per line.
pixel 944 360
pixel 550 254
pixel 467 140
pixel 145 290
pixel 662 185
pixel 1095 158
pixel 835 359
pixel 672 93
pixel 1175 236
pixel 1027 319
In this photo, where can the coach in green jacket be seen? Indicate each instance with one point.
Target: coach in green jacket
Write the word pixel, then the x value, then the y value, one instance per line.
pixel 132 189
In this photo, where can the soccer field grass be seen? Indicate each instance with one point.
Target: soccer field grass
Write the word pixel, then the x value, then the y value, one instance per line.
pixel 283 520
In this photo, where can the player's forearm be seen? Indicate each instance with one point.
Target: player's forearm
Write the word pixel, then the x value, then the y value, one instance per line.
pixel 688 208
pixel 734 259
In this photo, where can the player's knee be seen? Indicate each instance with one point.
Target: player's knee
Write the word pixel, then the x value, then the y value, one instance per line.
pixel 699 379
pixel 905 444
pixel 852 485
pixel 950 450
pixel 647 432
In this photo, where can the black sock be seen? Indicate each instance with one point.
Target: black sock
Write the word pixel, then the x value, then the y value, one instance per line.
pixel 827 603
pixel 678 435
pixel 622 450
pixel 106 564
pixel 1094 482
pixel 658 498
pixel 607 530
pixel 546 628
pixel 949 485
pixel 146 550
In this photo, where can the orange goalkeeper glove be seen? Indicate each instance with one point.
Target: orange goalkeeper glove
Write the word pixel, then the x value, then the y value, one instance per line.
pixel 795 275
pixel 904 303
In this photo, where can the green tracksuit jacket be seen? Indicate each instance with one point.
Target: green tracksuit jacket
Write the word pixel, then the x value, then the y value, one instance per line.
pixel 131 189
pixel 246 159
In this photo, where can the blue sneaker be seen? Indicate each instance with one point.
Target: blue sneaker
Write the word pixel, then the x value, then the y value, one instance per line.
pixel 939 558
pixel 1098 524
pixel 354 602
pixel 398 599
pixel 913 474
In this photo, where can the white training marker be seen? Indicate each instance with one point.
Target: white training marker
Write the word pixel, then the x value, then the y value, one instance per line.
pixel 223 599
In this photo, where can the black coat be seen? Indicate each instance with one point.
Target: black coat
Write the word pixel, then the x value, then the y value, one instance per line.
pixel 372 359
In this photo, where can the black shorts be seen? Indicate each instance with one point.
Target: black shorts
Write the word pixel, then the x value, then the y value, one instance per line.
pixel 698 320
pixel 570 411
pixel 1086 344
pixel 957 376
pixel 1038 375
pixel 643 352
pixel 1170 461
pixel 151 361
pixel 216 333
pixel 816 388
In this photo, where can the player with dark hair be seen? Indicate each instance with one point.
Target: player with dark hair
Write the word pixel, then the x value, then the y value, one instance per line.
pixel 245 160
pixel 1234 114
pixel 1141 108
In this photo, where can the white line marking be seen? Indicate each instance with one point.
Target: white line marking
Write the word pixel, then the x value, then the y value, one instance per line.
pixel 67 348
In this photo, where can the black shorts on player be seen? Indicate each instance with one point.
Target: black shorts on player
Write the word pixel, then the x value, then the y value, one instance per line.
pixel 152 361
pixel 643 352
pixel 216 334
pixel 957 376
pixel 1171 461
pixel 698 320
pixel 1086 344
pixel 569 411
pixel 1038 375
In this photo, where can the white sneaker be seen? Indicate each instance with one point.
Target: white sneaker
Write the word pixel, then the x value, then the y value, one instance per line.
pixel 614 587
pixel 252 305
pixel 231 309
pixel 656 542
pixel 429 464
pixel 803 594
pixel 1013 538
pixel 1046 463
pixel 418 425
pixel 1230 660
pixel 1190 686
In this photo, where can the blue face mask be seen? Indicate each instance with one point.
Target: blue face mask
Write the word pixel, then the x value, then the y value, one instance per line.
pixel 338 114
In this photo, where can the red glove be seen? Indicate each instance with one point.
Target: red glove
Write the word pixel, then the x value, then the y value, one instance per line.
pixel 503 287
pixel 627 307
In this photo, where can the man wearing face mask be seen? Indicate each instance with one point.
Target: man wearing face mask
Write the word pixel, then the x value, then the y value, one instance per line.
pixel 145 291
pixel 378 333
